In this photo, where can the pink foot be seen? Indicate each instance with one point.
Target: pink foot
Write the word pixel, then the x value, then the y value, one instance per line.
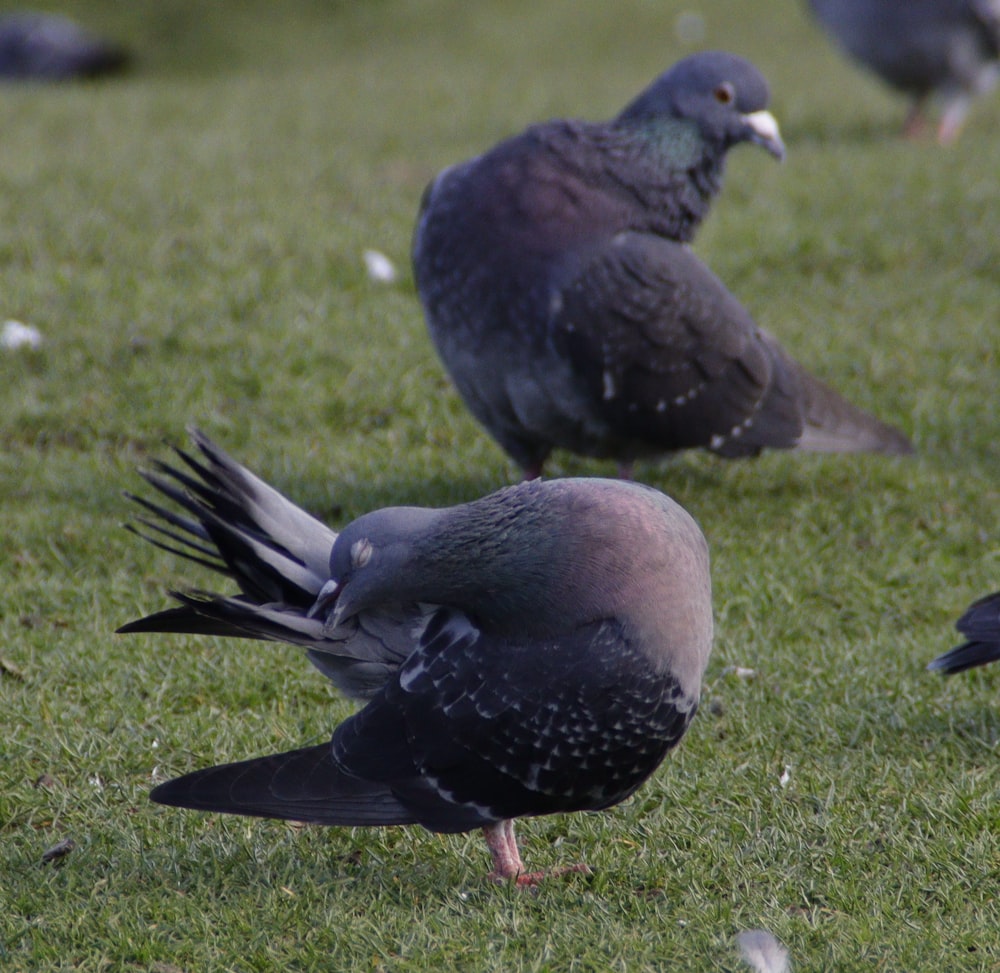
pixel 507 864
pixel 533 879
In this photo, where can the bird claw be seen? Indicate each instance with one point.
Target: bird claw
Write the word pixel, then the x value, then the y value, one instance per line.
pixel 526 880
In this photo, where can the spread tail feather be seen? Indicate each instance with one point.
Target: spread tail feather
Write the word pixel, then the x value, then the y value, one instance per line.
pixel 239 526
pixel 298 785
pixel 234 523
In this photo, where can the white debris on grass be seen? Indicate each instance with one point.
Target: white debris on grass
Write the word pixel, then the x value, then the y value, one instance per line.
pixel 762 952
pixel 380 268
pixel 786 776
pixel 16 335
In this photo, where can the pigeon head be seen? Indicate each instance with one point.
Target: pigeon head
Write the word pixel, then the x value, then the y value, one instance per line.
pixel 724 96
pixel 449 555
pixel 371 562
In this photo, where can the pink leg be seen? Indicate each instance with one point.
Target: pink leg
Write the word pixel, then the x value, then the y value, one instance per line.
pixel 625 471
pixel 952 120
pixel 503 848
pixel 915 124
pixel 507 864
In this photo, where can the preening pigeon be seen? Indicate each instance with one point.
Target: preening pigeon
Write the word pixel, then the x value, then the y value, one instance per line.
pixel 569 315
pixel 535 651
pixel 981 627
pixel 43 47
pixel 948 48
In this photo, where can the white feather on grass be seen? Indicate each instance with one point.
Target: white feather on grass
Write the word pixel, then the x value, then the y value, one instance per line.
pixel 763 952
pixel 14 335
pixel 380 268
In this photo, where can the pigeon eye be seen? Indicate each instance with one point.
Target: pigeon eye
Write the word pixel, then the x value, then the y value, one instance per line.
pixel 725 93
pixel 361 552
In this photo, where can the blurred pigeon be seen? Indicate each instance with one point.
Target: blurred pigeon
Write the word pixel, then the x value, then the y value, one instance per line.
pixel 536 651
pixel 567 313
pixel 948 48
pixel 42 47
pixel 981 627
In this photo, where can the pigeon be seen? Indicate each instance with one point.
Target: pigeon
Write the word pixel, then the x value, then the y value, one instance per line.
pixel 562 299
pixel 981 627
pixel 43 47
pixel 539 650
pixel 925 48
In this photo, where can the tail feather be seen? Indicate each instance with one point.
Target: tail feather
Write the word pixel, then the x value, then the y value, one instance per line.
pixel 798 411
pixel 235 524
pixel 981 626
pixel 834 425
pixel 298 785
pixel 272 514
pixel 831 424
pixel 240 527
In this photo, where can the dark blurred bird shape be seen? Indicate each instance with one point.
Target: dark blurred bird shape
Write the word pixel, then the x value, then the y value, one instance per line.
pixel 981 627
pixel 948 49
pixel 569 313
pixel 43 47
pixel 539 650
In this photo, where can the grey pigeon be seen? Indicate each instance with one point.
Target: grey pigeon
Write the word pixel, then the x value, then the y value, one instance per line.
pixel 944 48
pixel 981 627
pixel 567 310
pixel 535 651
pixel 43 47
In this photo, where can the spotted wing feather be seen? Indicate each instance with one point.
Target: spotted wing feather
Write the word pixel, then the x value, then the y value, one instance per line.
pixel 496 729
pixel 668 356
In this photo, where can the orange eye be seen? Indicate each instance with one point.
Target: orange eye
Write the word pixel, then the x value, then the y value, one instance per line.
pixel 725 93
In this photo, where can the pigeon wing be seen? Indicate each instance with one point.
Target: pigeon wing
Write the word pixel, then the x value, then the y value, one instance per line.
pixel 494 728
pixel 667 355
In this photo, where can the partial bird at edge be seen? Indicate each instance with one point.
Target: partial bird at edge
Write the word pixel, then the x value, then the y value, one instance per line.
pixel 948 49
pixel 980 624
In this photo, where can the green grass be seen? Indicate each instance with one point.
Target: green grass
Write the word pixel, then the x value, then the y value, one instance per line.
pixel 189 242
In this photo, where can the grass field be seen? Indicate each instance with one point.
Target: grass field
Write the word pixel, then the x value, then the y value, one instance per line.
pixel 188 240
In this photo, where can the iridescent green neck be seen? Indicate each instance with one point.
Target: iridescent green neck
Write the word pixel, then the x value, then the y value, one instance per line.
pixel 675 142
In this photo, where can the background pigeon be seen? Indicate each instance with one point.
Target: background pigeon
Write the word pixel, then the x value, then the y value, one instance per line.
pixel 567 315
pixel 43 47
pixel 536 651
pixel 981 626
pixel 948 48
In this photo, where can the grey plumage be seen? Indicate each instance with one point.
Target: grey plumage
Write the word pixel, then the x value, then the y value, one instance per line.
pixel 944 48
pixel 568 312
pixel 536 651
pixel 980 624
pixel 43 47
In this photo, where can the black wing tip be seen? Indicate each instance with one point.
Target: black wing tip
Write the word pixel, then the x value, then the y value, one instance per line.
pixel 169 794
pixel 898 443
pixel 980 624
pixel 971 655
pixel 983 615
pixel 176 620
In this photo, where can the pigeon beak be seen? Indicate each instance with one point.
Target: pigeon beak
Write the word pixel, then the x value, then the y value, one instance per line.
pixel 764 132
pixel 325 599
